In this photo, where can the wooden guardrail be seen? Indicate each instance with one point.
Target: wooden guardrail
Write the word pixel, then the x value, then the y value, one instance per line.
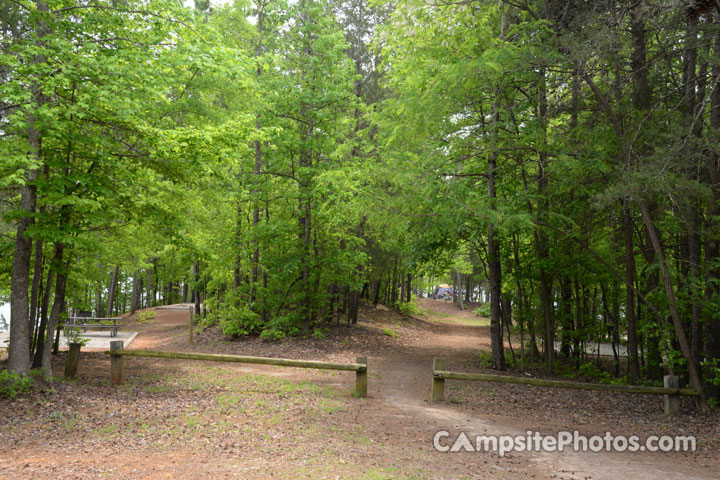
pixel 671 389
pixel 117 354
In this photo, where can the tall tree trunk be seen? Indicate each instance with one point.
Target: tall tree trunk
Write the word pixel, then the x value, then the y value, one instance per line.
pixel 494 272
pixel 694 254
pixel 157 286
pixel 42 329
pixel 632 349
pixel 264 272
pixel 148 296
pixel 565 314
pixel 305 241
pixel 468 288
pixel 408 290
pixel 672 304
pixel 98 300
pixel 641 101
pixel 60 282
pixel 37 275
pixel 196 284
pixel 653 336
pixel 580 314
pixel 19 358
pixel 712 235
pixel 111 292
pixel 459 291
pixel 693 212
pixel 540 236
pixel 20 326
pixel 237 276
pixel 136 295
pixel 393 283
pixel 255 259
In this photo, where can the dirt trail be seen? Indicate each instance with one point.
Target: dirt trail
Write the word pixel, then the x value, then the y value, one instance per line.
pixel 169 322
pixel 405 384
pixel 399 388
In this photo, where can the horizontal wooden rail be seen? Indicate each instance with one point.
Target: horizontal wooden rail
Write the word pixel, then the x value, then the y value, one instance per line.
pixel 541 382
pixel 84 319
pixel 671 391
pixel 360 368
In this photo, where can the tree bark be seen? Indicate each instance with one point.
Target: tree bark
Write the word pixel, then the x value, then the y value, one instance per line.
pixel 461 305
pixel 111 292
pixel 672 305
pixel 255 259
pixel 494 272
pixel 148 289
pixel 136 296
pixel 632 349
pixel 58 301
pixel 712 235
pixel 19 358
pixel 37 275
pixel 196 282
pixel 42 329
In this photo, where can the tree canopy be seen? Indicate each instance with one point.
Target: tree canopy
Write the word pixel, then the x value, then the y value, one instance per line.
pixel 279 162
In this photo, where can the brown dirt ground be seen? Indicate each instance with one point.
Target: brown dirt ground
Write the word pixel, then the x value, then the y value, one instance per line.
pixel 182 419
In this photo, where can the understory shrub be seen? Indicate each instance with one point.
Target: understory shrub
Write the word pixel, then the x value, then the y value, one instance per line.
pixel 235 322
pixel 410 308
pixel 483 310
pixel 12 384
pixel 281 327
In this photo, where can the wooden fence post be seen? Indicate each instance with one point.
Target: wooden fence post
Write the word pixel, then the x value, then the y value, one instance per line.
pixel 361 378
pixel 116 363
pixel 71 364
pixel 672 402
pixel 438 384
pixel 190 323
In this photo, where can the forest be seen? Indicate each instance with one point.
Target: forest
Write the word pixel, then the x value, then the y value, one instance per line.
pixel 277 163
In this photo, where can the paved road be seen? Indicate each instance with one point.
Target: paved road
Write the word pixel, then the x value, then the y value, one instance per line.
pixel 605 349
pixel 97 340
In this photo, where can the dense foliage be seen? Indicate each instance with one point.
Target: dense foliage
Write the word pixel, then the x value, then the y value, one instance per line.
pixel 278 161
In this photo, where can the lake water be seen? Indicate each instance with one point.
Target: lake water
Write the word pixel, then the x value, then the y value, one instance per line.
pixel 4 316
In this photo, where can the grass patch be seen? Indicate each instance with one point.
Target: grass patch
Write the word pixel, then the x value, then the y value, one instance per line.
pixel 390 332
pixel 192 421
pixel 146 316
pixel 328 406
pixel 107 430
pixel 470 322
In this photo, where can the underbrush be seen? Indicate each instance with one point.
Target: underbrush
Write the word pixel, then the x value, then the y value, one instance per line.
pixel 12 385
pixel 145 316
pixel 568 368
pixel 483 310
pixel 236 321
pixel 409 309
pixel 389 332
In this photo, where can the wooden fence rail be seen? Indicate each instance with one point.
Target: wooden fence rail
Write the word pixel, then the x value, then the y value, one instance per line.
pixel 117 353
pixel 670 390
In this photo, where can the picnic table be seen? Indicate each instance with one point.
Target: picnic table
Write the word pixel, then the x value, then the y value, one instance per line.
pixel 89 322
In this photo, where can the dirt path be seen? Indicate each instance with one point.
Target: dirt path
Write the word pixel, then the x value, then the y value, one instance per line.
pixel 400 382
pixel 169 322
pixel 179 419
pixel 405 382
